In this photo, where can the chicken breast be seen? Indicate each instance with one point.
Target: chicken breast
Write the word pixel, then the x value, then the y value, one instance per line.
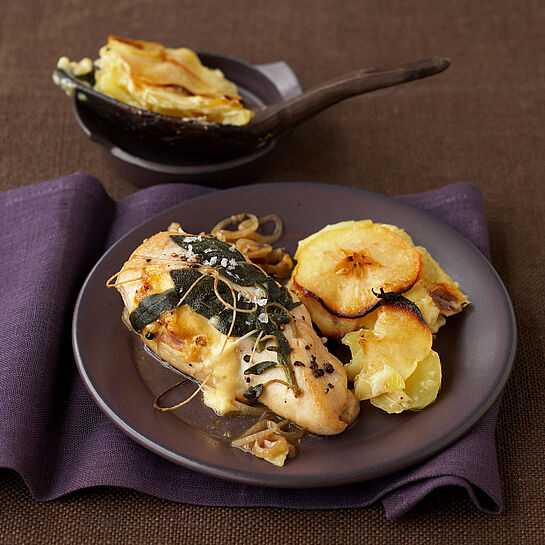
pixel 207 311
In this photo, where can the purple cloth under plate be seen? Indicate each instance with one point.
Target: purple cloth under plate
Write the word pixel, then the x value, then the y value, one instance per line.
pixel 54 435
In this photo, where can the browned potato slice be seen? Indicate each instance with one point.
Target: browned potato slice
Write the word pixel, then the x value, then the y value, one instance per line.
pixel 343 266
pixel 436 294
pixel 167 81
pixel 421 388
pixel 385 355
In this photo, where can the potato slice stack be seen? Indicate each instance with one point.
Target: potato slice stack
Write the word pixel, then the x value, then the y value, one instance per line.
pixel 368 285
pixel 393 364
pixel 167 81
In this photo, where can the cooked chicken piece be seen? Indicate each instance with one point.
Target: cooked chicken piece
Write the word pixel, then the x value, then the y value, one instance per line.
pixel 179 292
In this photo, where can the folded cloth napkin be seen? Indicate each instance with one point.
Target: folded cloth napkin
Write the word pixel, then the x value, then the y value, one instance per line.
pixel 54 435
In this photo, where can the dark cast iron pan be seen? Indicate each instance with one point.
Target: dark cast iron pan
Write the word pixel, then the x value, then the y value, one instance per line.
pixel 270 121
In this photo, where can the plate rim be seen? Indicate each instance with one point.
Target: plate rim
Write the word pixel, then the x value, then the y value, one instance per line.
pixel 265 479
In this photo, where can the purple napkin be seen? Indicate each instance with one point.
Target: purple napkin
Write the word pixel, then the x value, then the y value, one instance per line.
pixel 53 434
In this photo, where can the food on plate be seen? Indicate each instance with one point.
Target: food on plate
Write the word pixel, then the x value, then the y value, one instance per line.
pixel 167 81
pixel 344 266
pixel 369 285
pixel 208 306
pixel 433 291
pixel 255 245
pixel 393 364
pixel 271 440
pixel 208 311
pixel 421 388
pixel 436 294
pixel 387 352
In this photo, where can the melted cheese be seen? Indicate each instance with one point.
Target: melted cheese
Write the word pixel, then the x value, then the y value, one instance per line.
pixel 201 345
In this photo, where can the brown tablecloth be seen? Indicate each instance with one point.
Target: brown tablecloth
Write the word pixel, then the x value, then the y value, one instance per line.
pixel 481 121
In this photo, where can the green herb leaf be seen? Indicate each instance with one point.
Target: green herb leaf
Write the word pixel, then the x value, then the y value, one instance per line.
pixel 203 300
pixel 260 367
pixel 232 265
pixel 152 306
pixel 252 394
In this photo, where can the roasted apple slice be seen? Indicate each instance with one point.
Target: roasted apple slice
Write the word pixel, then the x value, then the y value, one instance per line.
pixel 386 354
pixel 344 266
pixel 330 326
pixel 421 388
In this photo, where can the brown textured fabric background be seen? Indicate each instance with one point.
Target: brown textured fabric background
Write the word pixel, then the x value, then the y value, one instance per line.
pixel 481 121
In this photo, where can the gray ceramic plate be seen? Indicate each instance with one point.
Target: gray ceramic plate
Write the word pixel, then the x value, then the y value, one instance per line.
pixel 476 348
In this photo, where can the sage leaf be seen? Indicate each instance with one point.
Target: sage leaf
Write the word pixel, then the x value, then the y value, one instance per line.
pixel 260 367
pixel 252 394
pixel 206 297
pixel 152 306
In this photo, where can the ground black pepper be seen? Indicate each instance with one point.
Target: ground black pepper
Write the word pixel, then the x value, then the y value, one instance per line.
pixel 314 366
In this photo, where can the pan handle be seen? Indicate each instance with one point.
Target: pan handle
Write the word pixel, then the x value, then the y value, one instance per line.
pixel 281 117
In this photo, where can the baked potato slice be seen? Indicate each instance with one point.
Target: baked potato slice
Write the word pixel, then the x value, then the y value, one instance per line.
pixel 421 388
pixel 436 294
pixel 344 266
pixel 167 81
pixel 386 354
